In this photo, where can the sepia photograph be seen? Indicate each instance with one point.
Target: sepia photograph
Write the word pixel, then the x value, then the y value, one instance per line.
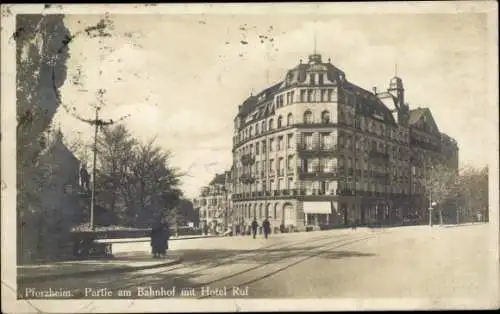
pixel 249 157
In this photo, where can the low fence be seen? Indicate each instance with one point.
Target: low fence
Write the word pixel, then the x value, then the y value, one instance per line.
pixel 86 242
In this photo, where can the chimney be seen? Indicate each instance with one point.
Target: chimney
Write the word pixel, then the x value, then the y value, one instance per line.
pixel 374 88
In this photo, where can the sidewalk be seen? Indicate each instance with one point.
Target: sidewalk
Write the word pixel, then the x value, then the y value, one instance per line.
pixel 122 262
pixel 147 239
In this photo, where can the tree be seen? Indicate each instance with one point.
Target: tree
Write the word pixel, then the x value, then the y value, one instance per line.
pixel 115 151
pixel 135 181
pixel 40 72
pixel 473 191
pixel 439 183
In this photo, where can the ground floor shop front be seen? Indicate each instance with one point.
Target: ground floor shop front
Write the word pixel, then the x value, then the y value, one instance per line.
pixel 319 213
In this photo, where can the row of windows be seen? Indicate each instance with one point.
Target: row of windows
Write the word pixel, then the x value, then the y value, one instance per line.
pixel 323 187
pixel 249 211
pixel 306 95
pixel 307 119
pixel 277 145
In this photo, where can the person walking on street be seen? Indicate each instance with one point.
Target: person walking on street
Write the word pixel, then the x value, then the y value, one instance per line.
pixel 156 231
pixel 84 179
pixel 266 225
pixel 165 238
pixel 254 227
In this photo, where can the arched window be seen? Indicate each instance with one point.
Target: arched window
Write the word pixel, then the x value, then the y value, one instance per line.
pixel 289 120
pixel 271 124
pixel 263 126
pixel 257 129
pixel 325 117
pixel 280 119
pixel 251 131
pixel 308 117
pixel 255 211
pixel 275 214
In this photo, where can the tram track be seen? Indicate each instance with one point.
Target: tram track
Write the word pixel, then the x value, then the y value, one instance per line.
pixel 223 282
pixel 79 293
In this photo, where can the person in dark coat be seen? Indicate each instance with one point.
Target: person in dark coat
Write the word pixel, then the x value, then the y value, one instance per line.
pixel 254 227
pixel 156 239
pixel 84 178
pixel 165 238
pixel 266 225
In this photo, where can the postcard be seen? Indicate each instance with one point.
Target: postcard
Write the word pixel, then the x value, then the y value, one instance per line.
pixel 245 157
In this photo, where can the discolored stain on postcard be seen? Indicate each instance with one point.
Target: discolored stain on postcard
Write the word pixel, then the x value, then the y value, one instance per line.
pixel 249 157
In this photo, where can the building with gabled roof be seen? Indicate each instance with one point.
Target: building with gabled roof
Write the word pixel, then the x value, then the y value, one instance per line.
pixel 214 203
pixel 318 150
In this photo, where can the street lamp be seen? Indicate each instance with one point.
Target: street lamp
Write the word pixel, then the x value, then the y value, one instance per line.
pixel 431 208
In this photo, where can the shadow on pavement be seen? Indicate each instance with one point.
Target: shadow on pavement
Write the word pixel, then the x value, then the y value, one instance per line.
pixel 216 257
pixel 163 280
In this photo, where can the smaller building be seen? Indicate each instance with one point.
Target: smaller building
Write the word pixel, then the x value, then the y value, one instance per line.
pixel 214 204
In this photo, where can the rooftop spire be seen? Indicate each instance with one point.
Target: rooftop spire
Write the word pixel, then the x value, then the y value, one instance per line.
pixel 315 41
pixel 395 69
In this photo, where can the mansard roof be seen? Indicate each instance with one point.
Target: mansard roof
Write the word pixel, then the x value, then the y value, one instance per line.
pixel 371 106
pixel 416 114
pixel 251 103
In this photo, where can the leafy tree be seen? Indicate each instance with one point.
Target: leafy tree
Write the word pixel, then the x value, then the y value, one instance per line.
pixel 134 180
pixel 115 152
pixel 439 182
pixel 472 187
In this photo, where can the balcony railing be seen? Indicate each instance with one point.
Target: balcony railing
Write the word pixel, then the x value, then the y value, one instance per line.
pixel 378 155
pixel 247 159
pixel 247 179
pixel 316 147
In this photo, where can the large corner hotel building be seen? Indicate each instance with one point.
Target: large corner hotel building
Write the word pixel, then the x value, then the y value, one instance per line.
pixel 315 149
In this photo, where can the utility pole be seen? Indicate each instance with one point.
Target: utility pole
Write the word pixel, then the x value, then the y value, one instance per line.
pixel 97 122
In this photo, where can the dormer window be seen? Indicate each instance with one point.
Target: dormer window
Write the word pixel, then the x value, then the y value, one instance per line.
pixel 313 79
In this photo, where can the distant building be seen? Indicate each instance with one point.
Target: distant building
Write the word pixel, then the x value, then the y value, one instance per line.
pixel 214 203
pixel 316 149
pixel 46 232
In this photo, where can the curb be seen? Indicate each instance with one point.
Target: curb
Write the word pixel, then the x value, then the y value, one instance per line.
pixel 119 269
pixel 148 239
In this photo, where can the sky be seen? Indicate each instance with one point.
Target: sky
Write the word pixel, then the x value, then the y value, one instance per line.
pixel 182 77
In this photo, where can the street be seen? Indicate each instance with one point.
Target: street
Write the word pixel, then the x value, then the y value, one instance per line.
pixel 403 262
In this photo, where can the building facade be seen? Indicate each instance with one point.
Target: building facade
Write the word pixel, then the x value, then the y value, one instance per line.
pixel 214 204
pixel 316 149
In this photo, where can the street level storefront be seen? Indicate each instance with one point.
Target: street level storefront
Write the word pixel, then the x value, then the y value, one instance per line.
pixel 317 213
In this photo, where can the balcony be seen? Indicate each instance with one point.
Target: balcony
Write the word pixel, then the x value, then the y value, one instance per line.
pixel 247 160
pixel 247 179
pixel 272 194
pixel 424 145
pixel 316 172
pixel 316 150
pixel 378 155
pixel 316 147
pixel 322 124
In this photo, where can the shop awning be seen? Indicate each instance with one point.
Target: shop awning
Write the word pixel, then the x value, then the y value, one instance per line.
pixel 317 207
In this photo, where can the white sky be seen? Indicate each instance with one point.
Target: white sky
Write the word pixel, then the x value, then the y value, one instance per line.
pixel 181 82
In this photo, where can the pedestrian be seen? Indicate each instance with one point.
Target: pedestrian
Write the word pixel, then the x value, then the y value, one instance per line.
pixel 254 227
pixel 84 178
pixel 266 225
pixel 165 234
pixel 156 235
